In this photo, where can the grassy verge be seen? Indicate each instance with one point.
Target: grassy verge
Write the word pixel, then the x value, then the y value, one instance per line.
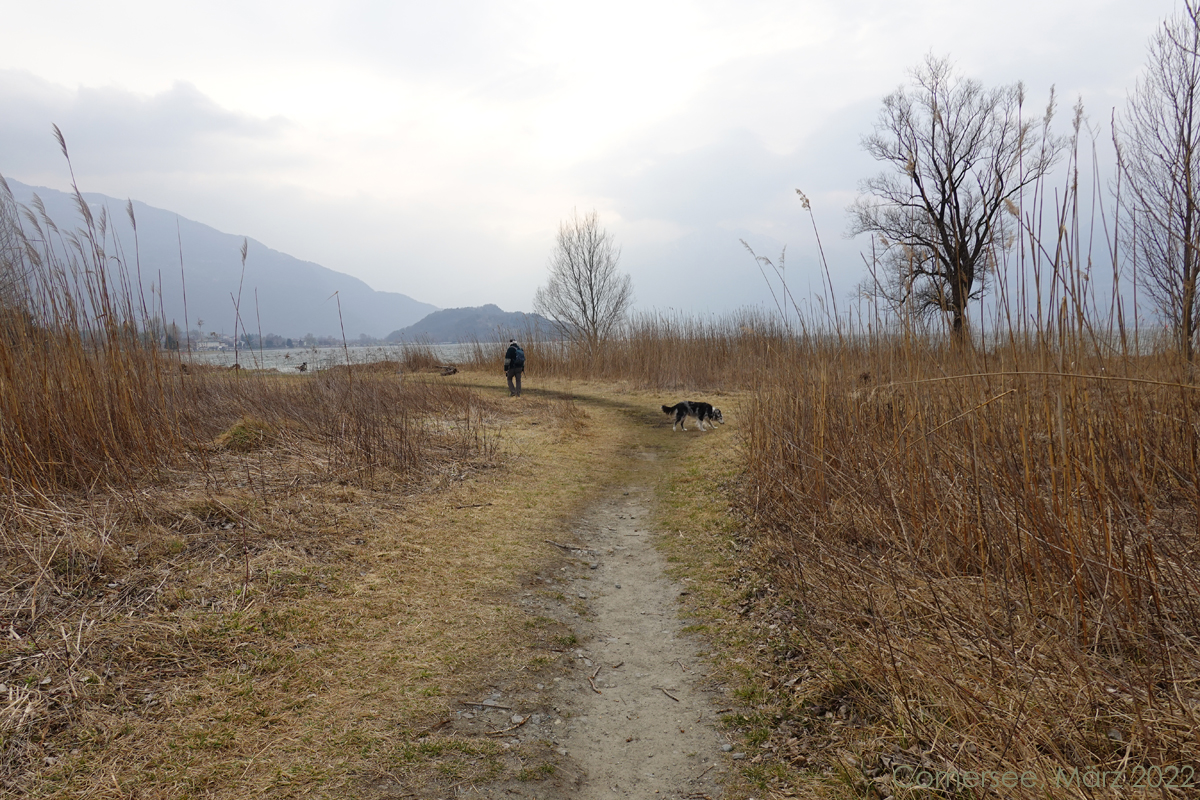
pixel 976 579
pixel 290 632
pixel 751 630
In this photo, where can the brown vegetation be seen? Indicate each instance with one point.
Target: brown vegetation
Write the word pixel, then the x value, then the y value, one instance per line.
pixel 661 351
pixel 160 519
pixel 979 557
pixel 996 559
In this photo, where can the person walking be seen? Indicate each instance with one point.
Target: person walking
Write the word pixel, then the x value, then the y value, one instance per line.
pixel 514 365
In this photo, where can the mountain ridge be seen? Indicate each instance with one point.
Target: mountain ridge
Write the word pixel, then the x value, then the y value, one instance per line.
pixel 473 323
pixel 294 297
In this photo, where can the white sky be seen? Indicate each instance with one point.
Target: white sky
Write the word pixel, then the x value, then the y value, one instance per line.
pixel 433 148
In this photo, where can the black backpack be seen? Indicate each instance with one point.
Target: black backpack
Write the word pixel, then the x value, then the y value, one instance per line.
pixel 518 359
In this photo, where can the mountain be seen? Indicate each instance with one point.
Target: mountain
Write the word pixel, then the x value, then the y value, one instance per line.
pixel 294 297
pixel 478 323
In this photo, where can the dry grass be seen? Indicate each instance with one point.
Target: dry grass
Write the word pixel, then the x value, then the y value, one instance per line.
pixel 958 559
pixel 966 558
pixel 668 352
pixel 263 622
pixel 964 562
pixel 213 601
pixel 952 565
pixel 999 564
pixel 188 550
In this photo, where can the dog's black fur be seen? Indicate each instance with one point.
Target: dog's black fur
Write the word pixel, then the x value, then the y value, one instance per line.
pixel 703 412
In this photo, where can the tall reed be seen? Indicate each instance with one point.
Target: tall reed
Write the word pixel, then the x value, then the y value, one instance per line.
pixel 666 351
pixel 993 545
pixel 84 392
pixel 90 398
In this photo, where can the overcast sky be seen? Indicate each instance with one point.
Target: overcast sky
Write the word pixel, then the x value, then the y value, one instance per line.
pixel 432 148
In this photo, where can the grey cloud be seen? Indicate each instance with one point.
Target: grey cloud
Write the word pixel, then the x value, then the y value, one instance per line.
pixel 114 131
pixel 738 189
pixel 711 185
pixel 521 85
pixel 453 39
pixel 181 151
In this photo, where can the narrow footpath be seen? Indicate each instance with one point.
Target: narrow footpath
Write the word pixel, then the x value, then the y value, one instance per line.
pixel 643 722
pixel 627 710
pixel 630 713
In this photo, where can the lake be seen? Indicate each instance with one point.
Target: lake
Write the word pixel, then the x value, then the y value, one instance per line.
pixel 319 358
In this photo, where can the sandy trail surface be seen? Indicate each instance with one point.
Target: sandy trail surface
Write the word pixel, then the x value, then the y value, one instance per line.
pixel 648 727
pixel 630 712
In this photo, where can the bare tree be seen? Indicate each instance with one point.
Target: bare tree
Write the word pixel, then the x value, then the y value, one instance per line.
pixel 958 155
pixel 586 297
pixel 1158 147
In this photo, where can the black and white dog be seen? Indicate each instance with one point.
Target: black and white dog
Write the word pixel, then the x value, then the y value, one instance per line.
pixel 703 412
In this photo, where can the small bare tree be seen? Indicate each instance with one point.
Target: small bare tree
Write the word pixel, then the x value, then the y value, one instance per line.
pixel 586 297
pixel 958 154
pixel 1158 147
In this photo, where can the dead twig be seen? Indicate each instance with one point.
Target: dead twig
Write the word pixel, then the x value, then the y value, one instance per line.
pixel 681 666
pixel 668 694
pixel 509 728
pixel 592 681
pixel 485 705
pixel 474 505
pixel 569 548
pixel 618 666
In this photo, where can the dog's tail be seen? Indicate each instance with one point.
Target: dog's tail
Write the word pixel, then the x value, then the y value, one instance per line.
pixel 668 409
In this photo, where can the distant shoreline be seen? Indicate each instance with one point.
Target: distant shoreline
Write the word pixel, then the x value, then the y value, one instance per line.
pixel 319 358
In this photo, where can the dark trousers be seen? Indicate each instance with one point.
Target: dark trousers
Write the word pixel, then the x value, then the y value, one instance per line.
pixel 514 373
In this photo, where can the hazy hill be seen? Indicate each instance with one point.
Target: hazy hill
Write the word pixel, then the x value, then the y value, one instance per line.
pixel 478 323
pixel 294 296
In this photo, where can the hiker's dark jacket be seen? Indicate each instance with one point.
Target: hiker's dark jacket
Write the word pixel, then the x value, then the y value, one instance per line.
pixel 510 356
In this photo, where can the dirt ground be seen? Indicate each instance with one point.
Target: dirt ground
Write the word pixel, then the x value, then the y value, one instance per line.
pixel 631 713
pixel 620 704
pixel 510 632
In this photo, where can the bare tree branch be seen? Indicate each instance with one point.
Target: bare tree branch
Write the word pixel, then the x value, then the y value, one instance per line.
pixel 957 155
pixel 586 297
pixel 1158 154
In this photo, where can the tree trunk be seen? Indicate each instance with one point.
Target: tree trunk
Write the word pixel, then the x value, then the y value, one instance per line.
pixel 958 327
pixel 1187 319
pixel 959 294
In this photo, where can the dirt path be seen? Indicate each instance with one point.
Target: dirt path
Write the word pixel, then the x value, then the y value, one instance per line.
pixel 648 727
pixel 629 711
